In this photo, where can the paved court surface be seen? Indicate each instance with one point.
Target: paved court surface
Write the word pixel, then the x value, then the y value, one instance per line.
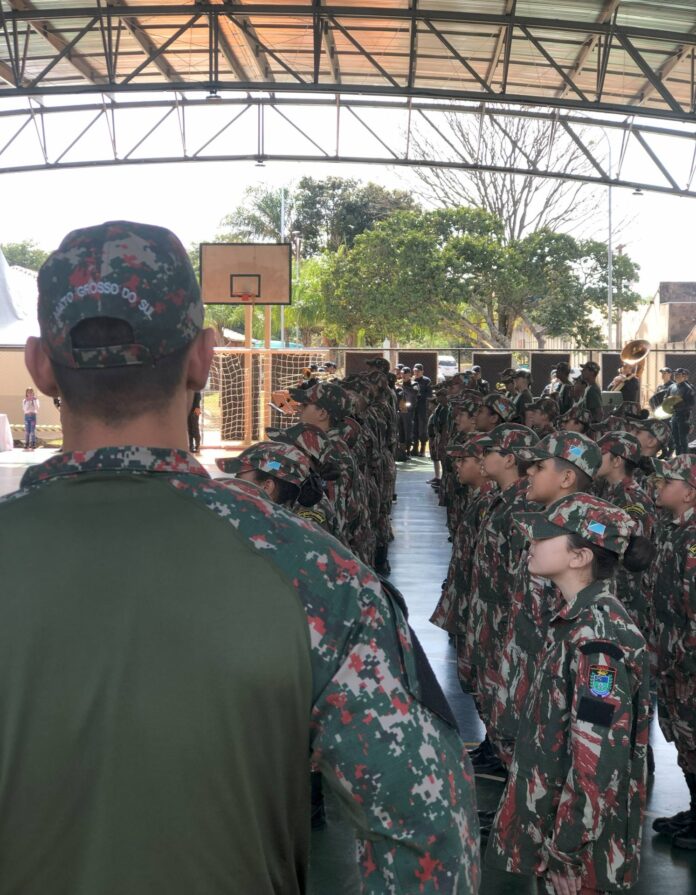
pixel 419 558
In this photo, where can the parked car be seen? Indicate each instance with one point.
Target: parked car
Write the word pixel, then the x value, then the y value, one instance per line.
pixel 446 366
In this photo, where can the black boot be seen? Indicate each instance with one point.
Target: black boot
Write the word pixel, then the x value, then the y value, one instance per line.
pixel 686 836
pixel 382 566
pixel 651 761
pixel 483 748
pixel 679 821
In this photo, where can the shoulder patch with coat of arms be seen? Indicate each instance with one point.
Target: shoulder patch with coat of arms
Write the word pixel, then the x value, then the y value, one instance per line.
pixel 601 680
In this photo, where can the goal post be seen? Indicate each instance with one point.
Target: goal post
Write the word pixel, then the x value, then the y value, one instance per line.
pixel 235 406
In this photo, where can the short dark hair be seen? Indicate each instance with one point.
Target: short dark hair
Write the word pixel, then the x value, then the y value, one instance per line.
pixel 523 466
pixel 286 492
pixel 637 557
pixel 117 394
pixel 582 479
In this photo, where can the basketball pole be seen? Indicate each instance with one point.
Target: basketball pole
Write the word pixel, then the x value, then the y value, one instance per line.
pixel 248 374
pixel 267 367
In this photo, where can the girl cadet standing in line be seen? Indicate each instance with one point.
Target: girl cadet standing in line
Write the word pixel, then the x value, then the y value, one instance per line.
pixel 572 808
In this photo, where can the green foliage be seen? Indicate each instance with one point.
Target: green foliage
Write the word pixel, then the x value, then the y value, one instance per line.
pixel 258 218
pixel 24 254
pixel 450 270
pixel 331 213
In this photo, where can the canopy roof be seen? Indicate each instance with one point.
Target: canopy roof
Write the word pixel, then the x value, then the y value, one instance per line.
pixel 630 59
pixel 631 55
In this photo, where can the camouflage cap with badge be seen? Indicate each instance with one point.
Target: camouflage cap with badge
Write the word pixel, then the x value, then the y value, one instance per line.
pixel 547 406
pixel 620 444
pixel 577 412
pixel 659 429
pixel 573 447
pixel 597 521
pixel 328 395
pixel 499 404
pixel 681 467
pixel 472 447
pixel 138 274
pixel 282 461
pixel 508 438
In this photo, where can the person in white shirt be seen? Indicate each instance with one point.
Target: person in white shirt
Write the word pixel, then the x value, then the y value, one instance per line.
pixel 30 406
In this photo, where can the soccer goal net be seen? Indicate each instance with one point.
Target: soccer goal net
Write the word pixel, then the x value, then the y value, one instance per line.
pixel 236 401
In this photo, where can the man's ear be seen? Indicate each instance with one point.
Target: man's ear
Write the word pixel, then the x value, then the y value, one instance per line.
pixel 200 357
pixel 39 366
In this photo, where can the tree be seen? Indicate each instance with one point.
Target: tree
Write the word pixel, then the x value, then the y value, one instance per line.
pixel 24 254
pixel 523 202
pixel 390 283
pixel 453 271
pixel 259 217
pixel 331 213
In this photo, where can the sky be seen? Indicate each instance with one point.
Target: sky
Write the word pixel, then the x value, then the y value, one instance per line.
pixel 191 199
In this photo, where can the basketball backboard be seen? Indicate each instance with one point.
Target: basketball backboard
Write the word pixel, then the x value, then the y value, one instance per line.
pixel 246 273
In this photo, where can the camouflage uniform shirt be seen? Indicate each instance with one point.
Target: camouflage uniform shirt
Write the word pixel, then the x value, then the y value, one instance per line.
pixel 575 795
pixel 141 656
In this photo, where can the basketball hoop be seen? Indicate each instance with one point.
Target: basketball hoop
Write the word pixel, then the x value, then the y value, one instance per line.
pixel 246 298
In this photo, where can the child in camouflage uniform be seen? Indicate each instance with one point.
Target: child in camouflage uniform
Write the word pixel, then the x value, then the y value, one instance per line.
pixel 620 457
pixel 452 609
pixel 573 805
pixel 495 562
pixel 674 595
pixel 562 464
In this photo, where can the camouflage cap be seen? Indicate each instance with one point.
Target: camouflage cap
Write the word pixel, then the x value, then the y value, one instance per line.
pixel 465 406
pixel 307 438
pixel 507 438
pixel 591 365
pixel 620 444
pixel 282 461
pixel 681 467
pixel 499 404
pixel 472 447
pixel 659 429
pixel 573 447
pixel 136 273
pixel 507 373
pixel 329 395
pixel 577 412
pixel 597 521
pixel 545 405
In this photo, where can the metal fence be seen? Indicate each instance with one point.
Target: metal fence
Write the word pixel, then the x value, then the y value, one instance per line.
pixel 237 406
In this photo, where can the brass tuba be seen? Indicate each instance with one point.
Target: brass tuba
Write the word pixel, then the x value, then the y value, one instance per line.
pixel 633 354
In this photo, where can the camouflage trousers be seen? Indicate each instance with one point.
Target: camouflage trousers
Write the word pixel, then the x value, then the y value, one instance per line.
pixel 676 708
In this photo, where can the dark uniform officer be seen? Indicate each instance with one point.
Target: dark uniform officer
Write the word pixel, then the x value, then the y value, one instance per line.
pixel 478 383
pixel 523 396
pixel 564 395
pixel 408 392
pixel 681 418
pixel 592 396
pixel 420 418
pixel 663 388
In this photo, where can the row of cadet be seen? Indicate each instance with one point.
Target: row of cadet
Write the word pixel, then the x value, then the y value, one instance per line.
pixel 571 590
pixel 336 464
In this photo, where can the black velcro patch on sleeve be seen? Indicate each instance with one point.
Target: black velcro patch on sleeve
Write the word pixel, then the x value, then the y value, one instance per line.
pixel 601 646
pixel 595 711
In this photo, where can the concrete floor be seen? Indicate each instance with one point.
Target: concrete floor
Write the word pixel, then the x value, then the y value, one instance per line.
pixel 419 557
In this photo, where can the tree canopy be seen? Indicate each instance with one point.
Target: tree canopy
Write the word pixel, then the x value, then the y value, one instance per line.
pixel 24 254
pixel 452 271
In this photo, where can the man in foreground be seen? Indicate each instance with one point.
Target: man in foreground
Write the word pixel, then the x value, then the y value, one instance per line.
pixel 186 647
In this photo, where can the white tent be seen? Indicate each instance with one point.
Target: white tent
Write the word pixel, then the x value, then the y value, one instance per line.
pixel 17 304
